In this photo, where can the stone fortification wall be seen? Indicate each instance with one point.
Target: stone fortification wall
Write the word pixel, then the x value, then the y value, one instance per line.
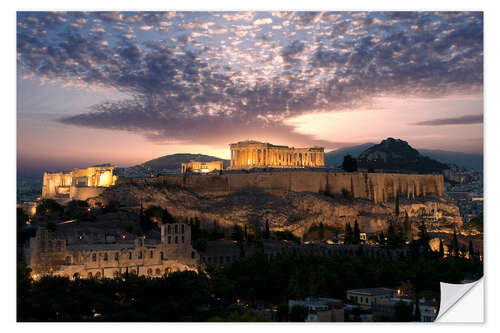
pixel 378 187
pixel 84 193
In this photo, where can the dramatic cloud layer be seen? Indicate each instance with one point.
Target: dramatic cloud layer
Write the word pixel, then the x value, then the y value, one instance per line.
pixel 464 120
pixel 206 77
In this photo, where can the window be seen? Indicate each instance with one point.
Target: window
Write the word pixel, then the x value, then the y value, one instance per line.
pixel 98 275
pixel 158 271
pixel 182 228
pixel 176 229
pixel 183 239
pixel 130 255
pixel 176 239
pixel 139 255
pixel 94 257
pixel 150 271
pixel 169 239
pixel 89 276
pixel 151 254
pixel 117 255
pixel 168 229
pixel 161 255
pixel 105 257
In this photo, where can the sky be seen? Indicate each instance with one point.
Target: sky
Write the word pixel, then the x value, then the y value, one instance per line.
pixel 127 87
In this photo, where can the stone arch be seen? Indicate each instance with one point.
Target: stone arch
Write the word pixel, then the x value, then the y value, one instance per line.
pixel 158 271
pixel 97 275
pixel 150 272
pixel 76 276
pixel 89 275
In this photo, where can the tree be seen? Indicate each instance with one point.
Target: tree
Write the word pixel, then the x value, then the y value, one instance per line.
pixel 321 230
pixel 237 233
pixel 356 237
pixel 49 206
pixel 455 243
pixel 349 235
pixel 396 205
pixel 441 248
pixel 471 250
pixel 403 312
pixel 424 238
pixel 349 164
pixel 267 232
pixel 22 217
pixel 417 310
pixel 298 313
pixel 407 228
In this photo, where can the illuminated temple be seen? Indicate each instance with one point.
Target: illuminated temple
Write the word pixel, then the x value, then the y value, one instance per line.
pixel 78 184
pixel 255 154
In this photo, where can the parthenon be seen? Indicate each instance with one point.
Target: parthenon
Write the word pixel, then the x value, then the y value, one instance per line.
pixel 255 154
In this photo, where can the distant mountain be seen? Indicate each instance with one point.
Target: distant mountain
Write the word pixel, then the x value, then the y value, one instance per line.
pixel 168 164
pixel 174 161
pixel 398 156
pixel 336 157
pixel 470 161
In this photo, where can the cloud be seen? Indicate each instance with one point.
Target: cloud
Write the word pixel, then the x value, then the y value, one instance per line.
pixel 263 21
pixel 464 120
pixel 243 78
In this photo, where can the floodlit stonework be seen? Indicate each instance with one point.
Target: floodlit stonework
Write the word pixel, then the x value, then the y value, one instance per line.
pixel 255 154
pixel 201 167
pixel 79 184
pixel 47 255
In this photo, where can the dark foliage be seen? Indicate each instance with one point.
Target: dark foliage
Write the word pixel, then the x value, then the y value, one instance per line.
pixel 349 164
pixel 187 296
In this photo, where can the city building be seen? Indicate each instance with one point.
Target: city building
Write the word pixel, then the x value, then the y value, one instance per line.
pixel 255 154
pixel 367 297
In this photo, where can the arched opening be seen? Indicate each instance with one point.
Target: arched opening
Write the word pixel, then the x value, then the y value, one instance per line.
pixel 151 254
pixel 89 275
pixel 116 273
pixel 130 255
pixel 139 255
pixel 161 255
pixel 150 272
pixel 98 275
pixel 117 255
pixel 94 257
pixel 76 276
pixel 158 271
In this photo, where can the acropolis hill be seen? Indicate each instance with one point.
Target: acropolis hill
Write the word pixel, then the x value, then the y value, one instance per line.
pixel 289 187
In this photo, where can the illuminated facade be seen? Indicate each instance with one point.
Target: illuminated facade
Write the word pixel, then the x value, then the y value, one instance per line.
pixel 48 254
pixel 201 167
pixel 255 154
pixel 71 185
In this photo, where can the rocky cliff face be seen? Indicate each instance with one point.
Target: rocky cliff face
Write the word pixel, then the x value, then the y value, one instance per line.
pixel 377 187
pixel 287 210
